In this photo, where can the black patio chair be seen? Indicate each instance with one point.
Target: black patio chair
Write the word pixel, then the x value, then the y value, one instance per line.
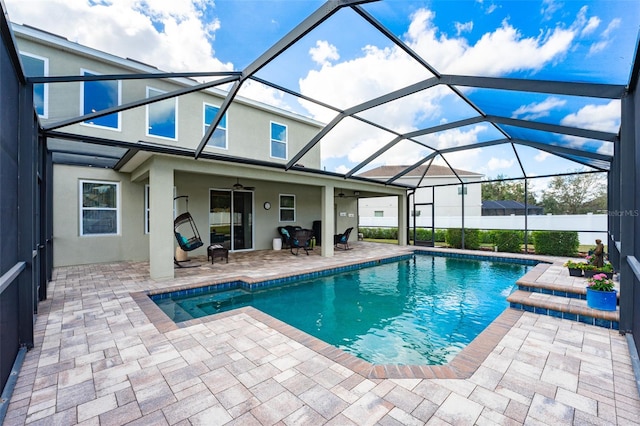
pixel 301 240
pixel 342 239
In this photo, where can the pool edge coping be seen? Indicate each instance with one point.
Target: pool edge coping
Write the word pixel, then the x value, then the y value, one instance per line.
pixel 462 366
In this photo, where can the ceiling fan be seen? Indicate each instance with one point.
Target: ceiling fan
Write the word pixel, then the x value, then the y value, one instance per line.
pixel 238 186
pixel 343 195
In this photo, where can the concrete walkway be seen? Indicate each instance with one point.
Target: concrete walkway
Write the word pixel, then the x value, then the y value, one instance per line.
pixel 103 359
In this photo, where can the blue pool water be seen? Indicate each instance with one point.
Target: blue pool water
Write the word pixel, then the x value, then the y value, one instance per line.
pixel 422 310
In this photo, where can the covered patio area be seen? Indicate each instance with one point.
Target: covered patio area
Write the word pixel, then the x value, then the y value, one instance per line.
pixel 101 356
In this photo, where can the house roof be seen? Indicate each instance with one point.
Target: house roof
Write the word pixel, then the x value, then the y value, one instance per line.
pixel 431 171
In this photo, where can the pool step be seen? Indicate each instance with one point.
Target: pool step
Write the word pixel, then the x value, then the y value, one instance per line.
pixel 561 302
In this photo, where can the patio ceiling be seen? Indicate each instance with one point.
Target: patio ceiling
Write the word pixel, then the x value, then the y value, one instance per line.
pixel 484 106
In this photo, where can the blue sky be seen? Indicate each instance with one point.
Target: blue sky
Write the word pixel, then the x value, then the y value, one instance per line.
pixel 345 62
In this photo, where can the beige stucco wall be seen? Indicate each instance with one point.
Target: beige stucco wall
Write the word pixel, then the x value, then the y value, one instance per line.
pixel 248 122
pixel 197 187
pixel 69 248
pixel 132 244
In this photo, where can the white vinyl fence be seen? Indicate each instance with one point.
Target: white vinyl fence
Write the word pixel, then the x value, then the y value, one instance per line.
pixel 589 226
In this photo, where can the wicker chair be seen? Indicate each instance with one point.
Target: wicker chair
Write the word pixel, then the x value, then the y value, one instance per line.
pixel 301 240
pixel 342 239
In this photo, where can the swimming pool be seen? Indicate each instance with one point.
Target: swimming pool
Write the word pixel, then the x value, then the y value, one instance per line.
pixel 419 310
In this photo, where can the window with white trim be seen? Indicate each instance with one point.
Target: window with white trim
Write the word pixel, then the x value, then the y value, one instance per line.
pixel 287 208
pixel 278 140
pixel 99 208
pixel 161 116
pixel 37 66
pixel 219 137
pixel 96 96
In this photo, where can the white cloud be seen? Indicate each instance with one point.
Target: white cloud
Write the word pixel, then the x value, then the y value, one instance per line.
pixel 604 118
pixel 378 71
pixel 541 156
pixel 549 7
pixel 462 28
pixel 496 53
pixel 613 25
pixel 591 26
pixel 125 28
pixel 537 110
pixel 324 52
pixel 606 38
pixel 499 163
pixel 342 169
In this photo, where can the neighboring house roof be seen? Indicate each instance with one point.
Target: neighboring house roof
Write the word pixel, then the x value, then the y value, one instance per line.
pixel 434 170
pixel 507 204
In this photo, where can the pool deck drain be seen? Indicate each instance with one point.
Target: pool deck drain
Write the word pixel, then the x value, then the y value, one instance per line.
pixel 101 359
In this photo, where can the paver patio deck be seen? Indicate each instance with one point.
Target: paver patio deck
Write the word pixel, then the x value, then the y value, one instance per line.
pixel 103 358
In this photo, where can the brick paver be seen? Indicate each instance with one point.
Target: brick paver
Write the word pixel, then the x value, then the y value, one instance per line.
pixel 104 356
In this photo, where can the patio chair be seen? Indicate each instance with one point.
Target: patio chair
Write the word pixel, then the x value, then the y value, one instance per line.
pixel 301 240
pixel 286 233
pixel 342 239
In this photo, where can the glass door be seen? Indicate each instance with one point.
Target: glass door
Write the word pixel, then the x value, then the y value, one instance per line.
pixel 242 208
pixel 231 219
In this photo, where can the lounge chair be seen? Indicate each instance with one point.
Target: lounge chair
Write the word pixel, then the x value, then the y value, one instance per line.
pixel 301 240
pixel 342 239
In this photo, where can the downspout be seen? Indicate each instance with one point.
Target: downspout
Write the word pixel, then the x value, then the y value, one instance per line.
pixel 411 195
pixel 462 209
pixel 526 215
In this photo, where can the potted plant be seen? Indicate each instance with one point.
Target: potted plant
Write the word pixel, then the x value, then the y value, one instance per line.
pixel 575 269
pixel 606 269
pixel 588 269
pixel 601 293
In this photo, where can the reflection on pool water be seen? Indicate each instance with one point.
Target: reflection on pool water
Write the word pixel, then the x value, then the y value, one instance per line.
pixel 421 310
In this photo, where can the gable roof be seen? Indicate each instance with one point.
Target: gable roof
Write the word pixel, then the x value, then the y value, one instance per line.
pixel 433 171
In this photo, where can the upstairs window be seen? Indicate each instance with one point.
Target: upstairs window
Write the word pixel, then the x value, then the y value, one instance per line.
pixel 99 214
pixel 37 66
pixel 219 137
pixel 97 96
pixel 287 208
pixel 161 116
pixel 278 141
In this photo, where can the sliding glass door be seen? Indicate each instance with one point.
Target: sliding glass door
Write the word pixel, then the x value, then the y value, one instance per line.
pixel 231 219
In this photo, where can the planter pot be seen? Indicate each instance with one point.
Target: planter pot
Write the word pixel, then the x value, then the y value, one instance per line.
pixel 603 300
pixel 588 273
pixel 575 272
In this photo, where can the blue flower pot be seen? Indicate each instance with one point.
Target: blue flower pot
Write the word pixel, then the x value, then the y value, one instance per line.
pixel 602 300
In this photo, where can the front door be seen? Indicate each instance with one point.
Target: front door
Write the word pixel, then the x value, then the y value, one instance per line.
pixel 231 219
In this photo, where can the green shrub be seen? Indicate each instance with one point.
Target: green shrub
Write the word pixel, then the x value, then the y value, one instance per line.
pixel 508 241
pixel 556 243
pixel 424 234
pixel 487 237
pixel 471 238
pixel 380 233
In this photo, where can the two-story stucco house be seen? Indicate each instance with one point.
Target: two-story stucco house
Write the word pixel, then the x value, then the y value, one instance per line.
pixel 121 204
